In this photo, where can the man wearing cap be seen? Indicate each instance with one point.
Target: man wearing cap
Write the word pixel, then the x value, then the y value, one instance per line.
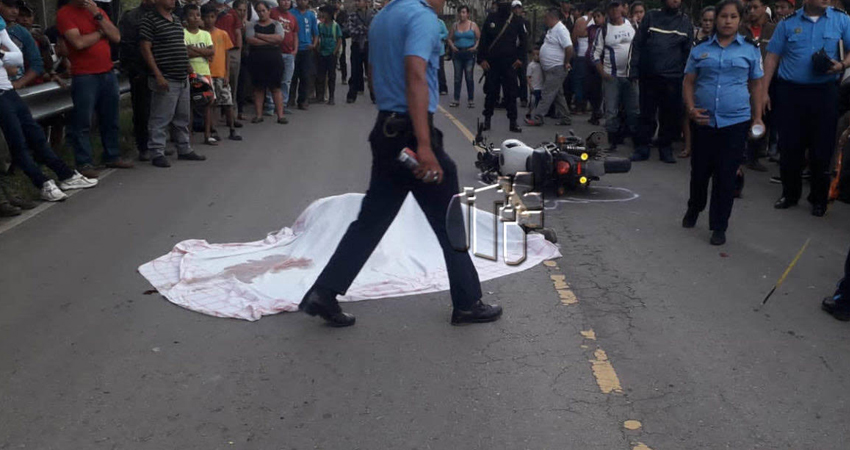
pixel 659 52
pixel 500 53
pixel 404 43
pixel 33 67
pixel 94 86
pixel 803 55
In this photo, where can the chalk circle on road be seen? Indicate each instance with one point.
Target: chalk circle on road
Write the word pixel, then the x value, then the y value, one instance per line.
pixel 595 194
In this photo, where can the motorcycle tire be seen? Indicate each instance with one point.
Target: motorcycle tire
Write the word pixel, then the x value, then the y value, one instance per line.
pixel 616 164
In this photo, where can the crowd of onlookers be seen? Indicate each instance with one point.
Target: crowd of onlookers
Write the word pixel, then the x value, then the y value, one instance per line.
pixel 192 66
pixel 657 76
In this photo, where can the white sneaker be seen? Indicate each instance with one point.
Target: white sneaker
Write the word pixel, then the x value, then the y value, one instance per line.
pixel 78 181
pixel 51 193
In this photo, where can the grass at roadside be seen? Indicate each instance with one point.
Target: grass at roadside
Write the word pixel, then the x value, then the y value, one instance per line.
pixel 21 184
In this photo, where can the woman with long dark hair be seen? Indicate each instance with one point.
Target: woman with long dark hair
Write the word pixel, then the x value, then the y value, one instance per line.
pixel 463 41
pixel 721 90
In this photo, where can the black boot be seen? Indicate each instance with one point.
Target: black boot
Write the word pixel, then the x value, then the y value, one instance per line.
pixel 514 127
pixel 486 123
pixel 321 302
pixel 690 219
pixel 840 311
pixel 718 238
pixel 6 208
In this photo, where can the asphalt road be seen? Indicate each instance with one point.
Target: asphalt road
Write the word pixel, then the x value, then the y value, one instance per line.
pixel 87 361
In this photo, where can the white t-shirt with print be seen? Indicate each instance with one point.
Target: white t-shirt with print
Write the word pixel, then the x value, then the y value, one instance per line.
pixel 614 52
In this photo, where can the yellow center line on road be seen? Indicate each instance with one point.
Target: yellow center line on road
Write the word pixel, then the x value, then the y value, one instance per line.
pixel 468 134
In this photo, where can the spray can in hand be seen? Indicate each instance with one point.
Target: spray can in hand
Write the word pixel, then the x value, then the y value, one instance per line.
pixel 407 157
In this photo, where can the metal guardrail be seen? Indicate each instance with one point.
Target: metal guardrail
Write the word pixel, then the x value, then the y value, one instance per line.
pixel 50 99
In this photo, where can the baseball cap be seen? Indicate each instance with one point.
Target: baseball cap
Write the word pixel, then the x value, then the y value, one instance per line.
pixel 516 3
pixel 23 6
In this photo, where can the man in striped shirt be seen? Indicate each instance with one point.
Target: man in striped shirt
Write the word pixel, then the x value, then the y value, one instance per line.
pixel 164 51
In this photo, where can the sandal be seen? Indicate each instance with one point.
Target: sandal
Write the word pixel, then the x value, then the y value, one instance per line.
pixel 282 120
pixel 685 153
pixel 257 120
pixel 454 104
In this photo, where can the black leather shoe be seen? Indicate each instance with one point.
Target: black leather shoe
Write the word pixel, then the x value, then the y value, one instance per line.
pixel 840 312
pixel 326 307
pixel 718 238
pixel 818 210
pixel 161 161
pixel 784 203
pixel 479 313
pixel 514 127
pixel 191 156
pixel 666 155
pixel 690 219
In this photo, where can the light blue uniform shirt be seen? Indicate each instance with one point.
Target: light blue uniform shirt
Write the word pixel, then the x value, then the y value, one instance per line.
pixel 722 77
pixel 797 38
pixel 403 28
pixel 308 27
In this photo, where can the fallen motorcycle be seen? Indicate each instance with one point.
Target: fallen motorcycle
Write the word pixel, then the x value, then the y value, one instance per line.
pixel 566 164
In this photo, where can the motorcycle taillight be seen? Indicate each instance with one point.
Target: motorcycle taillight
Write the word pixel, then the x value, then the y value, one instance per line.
pixel 563 167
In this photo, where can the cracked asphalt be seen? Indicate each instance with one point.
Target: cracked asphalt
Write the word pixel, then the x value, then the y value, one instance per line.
pixel 87 361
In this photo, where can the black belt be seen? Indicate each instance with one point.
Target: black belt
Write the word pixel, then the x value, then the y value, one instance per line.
pixel 397 123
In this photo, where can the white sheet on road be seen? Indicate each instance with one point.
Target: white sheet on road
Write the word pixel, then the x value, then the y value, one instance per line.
pixel 253 279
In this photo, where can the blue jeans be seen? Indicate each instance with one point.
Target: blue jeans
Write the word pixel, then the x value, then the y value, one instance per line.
pixel 95 94
pixel 23 133
pixel 620 92
pixel 579 73
pixel 285 83
pixel 464 62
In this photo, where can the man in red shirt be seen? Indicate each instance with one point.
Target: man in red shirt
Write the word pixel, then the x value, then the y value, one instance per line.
pixel 289 46
pixel 94 87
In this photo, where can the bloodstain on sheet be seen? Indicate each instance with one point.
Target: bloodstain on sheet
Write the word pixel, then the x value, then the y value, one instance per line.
pixel 246 272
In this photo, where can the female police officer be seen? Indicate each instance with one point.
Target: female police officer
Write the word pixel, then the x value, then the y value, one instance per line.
pixel 722 78
pixel 404 49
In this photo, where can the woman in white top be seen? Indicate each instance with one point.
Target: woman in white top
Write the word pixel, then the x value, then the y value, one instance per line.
pixel 23 133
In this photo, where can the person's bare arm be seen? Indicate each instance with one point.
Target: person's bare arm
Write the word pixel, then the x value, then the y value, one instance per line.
pixel 25 80
pixel 451 40
pixel 418 100
pixel 238 34
pixel 771 62
pixel 568 56
pixel 82 41
pixel 147 55
pixel 110 30
pixel 696 114
pixel 756 101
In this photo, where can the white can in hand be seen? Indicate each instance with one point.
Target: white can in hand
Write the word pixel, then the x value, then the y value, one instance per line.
pixel 757 131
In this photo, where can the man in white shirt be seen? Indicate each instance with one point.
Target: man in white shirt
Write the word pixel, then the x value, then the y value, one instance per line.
pixel 555 56
pixel 611 54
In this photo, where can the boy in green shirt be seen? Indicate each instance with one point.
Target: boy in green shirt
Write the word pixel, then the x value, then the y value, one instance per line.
pixel 330 41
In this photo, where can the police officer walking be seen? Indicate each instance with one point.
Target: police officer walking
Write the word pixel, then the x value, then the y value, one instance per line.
pixel 404 44
pixel 500 54
pixel 659 53
pixel 839 304
pixel 803 53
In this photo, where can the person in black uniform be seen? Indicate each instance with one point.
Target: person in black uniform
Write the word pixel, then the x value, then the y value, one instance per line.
pixel 839 304
pixel 516 5
pixel 407 97
pixel 500 54
pixel 659 53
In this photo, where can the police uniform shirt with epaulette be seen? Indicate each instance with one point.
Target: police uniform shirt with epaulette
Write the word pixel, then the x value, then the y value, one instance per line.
pixel 403 28
pixel 722 76
pixel 798 37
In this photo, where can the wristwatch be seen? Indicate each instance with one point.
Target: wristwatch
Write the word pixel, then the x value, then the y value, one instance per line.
pixel 98 17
